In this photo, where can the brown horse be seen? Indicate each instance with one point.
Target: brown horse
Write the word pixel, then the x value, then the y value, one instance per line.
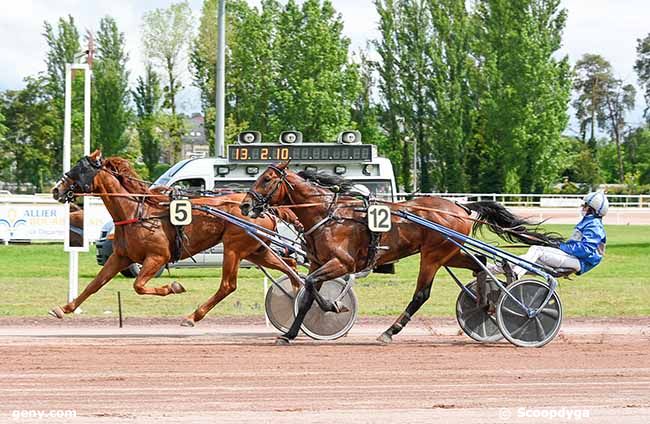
pixel 340 243
pixel 76 225
pixel 146 236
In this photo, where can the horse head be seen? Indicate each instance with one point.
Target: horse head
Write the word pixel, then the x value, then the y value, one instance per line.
pixel 79 179
pixel 271 188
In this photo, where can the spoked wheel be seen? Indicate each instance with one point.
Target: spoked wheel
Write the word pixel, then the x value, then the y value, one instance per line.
pixel 517 326
pixel 474 320
pixel 321 325
pixel 279 304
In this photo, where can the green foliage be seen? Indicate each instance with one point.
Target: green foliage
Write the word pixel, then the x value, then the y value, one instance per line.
pixel 480 92
pixel 642 68
pixel 159 169
pixel 424 78
pixel 6 159
pixel 147 97
pixel 578 162
pixel 32 126
pixel 3 129
pixel 62 48
pixel 593 73
pixel 316 84
pixel 637 153
pixel 166 36
pixel 603 101
pixel 110 98
pixel 287 68
pixel 523 91
pixel 606 154
pixel 365 114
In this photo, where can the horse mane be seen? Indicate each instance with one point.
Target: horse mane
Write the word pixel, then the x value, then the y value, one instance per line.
pixel 326 180
pixel 131 181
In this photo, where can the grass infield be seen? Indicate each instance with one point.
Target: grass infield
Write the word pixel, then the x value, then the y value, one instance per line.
pixel 33 278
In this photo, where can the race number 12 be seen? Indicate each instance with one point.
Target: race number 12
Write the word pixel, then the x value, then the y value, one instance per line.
pixel 180 212
pixel 379 218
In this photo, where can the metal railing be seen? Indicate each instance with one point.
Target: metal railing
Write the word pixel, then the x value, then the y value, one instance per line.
pixel 539 200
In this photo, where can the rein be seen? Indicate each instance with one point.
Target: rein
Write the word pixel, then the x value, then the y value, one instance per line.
pixel 283 175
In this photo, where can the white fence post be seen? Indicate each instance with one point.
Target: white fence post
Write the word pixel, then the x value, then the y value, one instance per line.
pixel 73 271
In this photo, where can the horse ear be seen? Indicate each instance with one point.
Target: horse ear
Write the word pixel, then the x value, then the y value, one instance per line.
pixel 284 165
pixel 97 154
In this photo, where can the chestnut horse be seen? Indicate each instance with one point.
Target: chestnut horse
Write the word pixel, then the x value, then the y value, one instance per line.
pixel 339 241
pixel 146 236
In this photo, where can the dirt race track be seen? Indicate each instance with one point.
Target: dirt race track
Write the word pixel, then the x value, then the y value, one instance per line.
pixel 226 370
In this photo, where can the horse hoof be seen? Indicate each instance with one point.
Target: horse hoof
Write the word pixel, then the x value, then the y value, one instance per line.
pixel 340 308
pixel 385 338
pixel 282 341
pixel 177 288
pixel 56 312
pixel 187 323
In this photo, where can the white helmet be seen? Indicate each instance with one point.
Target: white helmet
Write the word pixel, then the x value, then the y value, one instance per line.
pixel 598 202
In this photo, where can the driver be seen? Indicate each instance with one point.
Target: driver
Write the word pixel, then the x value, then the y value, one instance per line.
pixel 583 251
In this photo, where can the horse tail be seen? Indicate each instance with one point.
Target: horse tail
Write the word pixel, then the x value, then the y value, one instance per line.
pixel 510 227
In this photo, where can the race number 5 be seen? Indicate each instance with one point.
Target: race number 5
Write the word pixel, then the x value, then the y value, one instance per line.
pixel 379 218
pixel 180 212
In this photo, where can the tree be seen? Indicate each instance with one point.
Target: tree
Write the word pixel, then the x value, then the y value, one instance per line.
pixel 31 124
pixel 111 113
pixel 5 160
pixel 522 92
pixel 316 84
pixel 287 68
pixel 166 36
pixel 388 85
pixel 637 153
pixel 593 74
pixel 449 67
pixel 365 113
pixel 642 68
pixel 63 48
pixel 203 63
pixel 147 97
pixel 3 129
pixel 579 162
pixel 249 65
pixel 618 99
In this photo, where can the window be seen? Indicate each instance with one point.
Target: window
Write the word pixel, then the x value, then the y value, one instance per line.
pixel 191 184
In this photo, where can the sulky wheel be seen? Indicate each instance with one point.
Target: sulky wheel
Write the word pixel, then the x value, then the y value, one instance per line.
pixel 321 325
pixel 517 326
pixel 279 304
pixel 474 320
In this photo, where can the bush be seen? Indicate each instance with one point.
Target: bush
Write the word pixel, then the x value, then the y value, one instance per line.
pixel 159 170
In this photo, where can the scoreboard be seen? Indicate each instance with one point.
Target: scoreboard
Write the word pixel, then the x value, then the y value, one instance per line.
pixel 299 152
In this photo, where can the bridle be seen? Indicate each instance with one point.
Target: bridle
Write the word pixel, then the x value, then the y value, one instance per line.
pixel 262 202
pixel 81 177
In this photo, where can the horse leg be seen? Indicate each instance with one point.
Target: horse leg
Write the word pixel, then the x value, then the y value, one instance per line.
pixel 113 265
pixel 228 285
pixel 331 269
pixel 430 262
pixel 150 267
pixel 267 260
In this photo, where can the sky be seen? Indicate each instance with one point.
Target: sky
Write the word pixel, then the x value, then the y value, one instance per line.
pixel 606 27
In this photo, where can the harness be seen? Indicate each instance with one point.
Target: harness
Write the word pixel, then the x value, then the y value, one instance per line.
pixel 331 215
pixel 81 177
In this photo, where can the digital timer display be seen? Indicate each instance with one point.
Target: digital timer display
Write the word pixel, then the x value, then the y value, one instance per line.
pixel 300 152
